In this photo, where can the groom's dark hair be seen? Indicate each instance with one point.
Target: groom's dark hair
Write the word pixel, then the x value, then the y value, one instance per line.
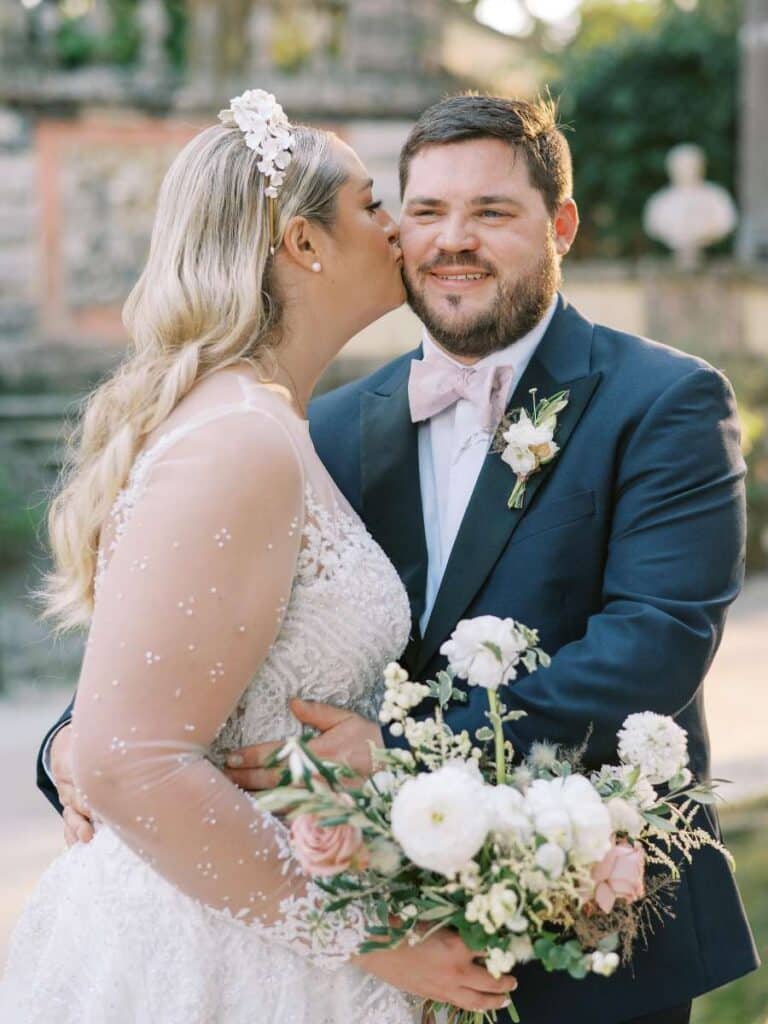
pixel 528 127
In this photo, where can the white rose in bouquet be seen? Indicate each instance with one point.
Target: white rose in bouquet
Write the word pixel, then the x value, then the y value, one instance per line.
pixel 508 814
pixel 485 651
pixel 655 743
pixel 570 813
pixel 441 819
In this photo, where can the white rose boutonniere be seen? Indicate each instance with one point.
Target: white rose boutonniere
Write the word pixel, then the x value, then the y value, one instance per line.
pixel 526 441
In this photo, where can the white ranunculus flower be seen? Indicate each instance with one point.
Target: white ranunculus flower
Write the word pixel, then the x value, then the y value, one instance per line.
pixel 471 658
pixel 440 819
pixel 654 742
pixel 508 814
pixel 551 859
pixel 625 817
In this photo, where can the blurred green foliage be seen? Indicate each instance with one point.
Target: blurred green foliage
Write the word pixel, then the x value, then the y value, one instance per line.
pixel 636 80
pixel 20 522
pixel 749 377
pixel 745 829
pixel 76 44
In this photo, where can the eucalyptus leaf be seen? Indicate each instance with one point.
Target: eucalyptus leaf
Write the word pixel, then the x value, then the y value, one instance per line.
pixel 609 944
pixel 446 688
pixel 436 913
pixel 657 822
pixel 703 796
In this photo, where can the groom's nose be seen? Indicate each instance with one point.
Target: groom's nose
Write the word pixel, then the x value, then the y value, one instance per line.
pixel 456 235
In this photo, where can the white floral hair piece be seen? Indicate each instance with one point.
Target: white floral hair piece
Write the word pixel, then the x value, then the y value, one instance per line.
pixel 267 132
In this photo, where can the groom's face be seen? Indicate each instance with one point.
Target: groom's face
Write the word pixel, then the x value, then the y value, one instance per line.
pixel 480 249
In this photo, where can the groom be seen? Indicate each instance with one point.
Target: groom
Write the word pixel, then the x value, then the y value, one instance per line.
pixel 628 547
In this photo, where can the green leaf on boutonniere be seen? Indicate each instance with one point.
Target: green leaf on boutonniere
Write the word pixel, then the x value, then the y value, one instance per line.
pixel 526 440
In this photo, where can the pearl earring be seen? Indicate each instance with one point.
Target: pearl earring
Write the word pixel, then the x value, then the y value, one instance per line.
pixel 316 267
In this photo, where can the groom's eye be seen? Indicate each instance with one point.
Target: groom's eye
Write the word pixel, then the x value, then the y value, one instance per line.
pixel 493 214
pixel 374 207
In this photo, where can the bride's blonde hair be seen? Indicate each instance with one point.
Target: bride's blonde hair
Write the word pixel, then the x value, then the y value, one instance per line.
pixel 204 300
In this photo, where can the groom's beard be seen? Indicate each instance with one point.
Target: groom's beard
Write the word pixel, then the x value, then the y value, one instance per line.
pixel 516 308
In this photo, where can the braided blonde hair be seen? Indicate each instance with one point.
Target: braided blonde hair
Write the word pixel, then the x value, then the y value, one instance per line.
pixel 203 301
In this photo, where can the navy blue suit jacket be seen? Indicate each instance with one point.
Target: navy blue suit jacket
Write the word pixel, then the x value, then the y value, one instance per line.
pixel 626 555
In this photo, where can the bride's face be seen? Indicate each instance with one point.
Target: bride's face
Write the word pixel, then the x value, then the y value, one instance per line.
pixel 363 260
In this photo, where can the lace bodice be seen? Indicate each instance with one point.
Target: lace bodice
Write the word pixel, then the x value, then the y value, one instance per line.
pixel 232 576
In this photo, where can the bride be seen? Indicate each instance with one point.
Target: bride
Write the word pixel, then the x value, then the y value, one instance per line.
pixel 221 574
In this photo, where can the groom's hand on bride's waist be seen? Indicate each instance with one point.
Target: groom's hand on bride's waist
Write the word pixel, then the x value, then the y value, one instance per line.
pixel 343 737
pixel 77 815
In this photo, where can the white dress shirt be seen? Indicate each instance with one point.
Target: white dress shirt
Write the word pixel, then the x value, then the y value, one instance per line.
pixel 452 448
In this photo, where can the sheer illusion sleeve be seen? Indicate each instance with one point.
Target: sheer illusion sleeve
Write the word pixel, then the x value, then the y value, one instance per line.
pixel 198 580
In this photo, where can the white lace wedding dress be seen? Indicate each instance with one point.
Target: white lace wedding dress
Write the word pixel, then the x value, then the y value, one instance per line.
pixel 232 577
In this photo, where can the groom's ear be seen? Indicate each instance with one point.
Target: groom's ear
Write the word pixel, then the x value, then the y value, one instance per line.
pixel 300 242
pixel 565 224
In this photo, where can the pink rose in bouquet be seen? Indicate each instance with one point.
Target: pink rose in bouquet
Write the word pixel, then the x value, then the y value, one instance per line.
pixel 324 851
pixel 619 875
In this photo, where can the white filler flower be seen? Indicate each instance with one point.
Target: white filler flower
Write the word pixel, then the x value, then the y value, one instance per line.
pixel 604 963
pixel 654 742
pixel 485 650
pixel 440 819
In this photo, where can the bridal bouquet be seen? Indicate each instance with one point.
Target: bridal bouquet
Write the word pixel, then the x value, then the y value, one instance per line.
pixel 537 860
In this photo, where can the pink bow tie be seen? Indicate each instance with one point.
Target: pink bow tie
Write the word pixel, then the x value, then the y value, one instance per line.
pixel 435 384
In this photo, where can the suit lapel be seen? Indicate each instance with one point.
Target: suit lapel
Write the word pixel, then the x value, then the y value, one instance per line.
pixel 488 524
pixel 391 490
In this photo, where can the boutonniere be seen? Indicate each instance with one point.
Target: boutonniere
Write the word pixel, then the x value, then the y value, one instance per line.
pixel 526 441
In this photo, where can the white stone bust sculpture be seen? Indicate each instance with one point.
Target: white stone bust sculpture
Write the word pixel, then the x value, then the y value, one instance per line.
pixel 691 213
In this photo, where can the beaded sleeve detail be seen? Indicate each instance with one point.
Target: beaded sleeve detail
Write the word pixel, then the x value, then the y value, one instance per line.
pixel 231 578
